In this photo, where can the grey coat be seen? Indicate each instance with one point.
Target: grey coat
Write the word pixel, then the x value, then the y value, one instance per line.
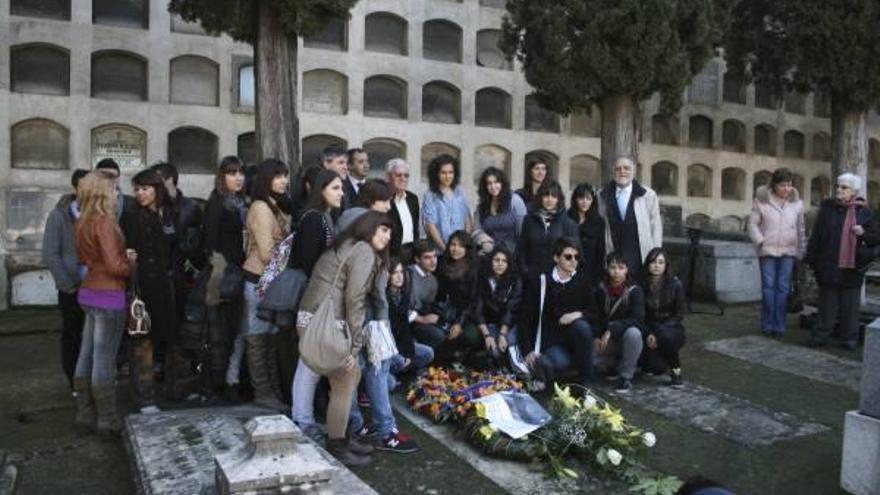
pixel 358 266
pixel 59 246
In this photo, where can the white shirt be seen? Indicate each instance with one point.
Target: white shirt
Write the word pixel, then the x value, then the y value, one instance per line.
pixel 623 195
pixel 405 220
pixel 356 184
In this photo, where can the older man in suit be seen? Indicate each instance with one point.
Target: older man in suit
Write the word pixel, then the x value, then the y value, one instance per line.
pixel 632 215
pixel 404 210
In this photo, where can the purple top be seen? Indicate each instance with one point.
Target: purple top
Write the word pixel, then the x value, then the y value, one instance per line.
pixel 102 299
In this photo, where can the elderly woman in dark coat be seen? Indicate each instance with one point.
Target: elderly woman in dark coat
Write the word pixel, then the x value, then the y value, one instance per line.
pixel 839 250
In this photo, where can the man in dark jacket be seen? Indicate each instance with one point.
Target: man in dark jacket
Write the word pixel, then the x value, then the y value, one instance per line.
pixel 358 167
pixel 555 331
pixel 404 210
pixel 59 255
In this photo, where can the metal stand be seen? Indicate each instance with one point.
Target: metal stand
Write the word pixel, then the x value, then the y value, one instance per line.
pixel 695 256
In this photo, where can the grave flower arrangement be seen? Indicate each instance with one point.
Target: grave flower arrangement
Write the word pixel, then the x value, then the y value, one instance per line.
pixel 594 432
pixel 446 396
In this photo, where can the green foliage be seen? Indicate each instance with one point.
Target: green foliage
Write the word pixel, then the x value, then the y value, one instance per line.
pixel 661 485
pixel 237 18
pixel 575 52
pixel 829 46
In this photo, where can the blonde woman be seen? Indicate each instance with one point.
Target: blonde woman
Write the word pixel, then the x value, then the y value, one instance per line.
pixel 100 247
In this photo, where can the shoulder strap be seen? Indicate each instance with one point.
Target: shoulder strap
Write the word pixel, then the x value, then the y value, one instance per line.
pixel 340 267
pixel 619 302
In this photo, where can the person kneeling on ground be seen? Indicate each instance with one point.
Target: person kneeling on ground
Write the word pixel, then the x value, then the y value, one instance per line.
pixel 621 308
pixel 499 293
pixel 412 355
pixel 664 312
pixel 555 316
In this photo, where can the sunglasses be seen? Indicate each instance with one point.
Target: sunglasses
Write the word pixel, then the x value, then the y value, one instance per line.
pixel 571 257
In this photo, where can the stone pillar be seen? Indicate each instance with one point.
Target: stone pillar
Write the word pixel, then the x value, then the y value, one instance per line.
pixel 860 470
pixel 4 279
pixel 276 459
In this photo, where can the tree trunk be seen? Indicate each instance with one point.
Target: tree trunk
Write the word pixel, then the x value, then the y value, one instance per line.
pixel 621 119
pixel 276 91
pixel 849 142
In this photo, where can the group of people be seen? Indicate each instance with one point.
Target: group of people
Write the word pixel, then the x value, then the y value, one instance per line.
pixel 522 281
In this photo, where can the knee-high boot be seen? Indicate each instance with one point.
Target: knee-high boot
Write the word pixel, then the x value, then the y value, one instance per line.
pixel 257 350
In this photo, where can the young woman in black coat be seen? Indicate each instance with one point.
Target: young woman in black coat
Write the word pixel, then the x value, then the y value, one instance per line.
pixel 149 229
pixel 584 211
pixel 499 292
pixel 315 230
pixel 456 291
pixel 665 308
pixel 544 224
pixel 225 216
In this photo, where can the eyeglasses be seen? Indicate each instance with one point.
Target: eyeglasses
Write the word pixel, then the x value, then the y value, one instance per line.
pixel 401 175
pixel 843 186
pixel 571 257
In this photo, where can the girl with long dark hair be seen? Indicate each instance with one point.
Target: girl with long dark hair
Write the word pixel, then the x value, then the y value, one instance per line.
pixel 499 292
pixel 584 211
pixel 456 294
pixel 499 214
pixel 150 230
pixel 268 223
pixel 360 253
pixel 536 174
pixel 664 316
pixel 225 216
pixel 315 230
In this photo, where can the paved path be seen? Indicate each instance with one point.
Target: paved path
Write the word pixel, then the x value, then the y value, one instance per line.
pixel 794 359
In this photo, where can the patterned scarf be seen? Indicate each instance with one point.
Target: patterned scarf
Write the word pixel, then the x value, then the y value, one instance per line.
pixel 848 239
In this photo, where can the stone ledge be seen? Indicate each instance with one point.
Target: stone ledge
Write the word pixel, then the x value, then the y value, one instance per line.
pixel 860 467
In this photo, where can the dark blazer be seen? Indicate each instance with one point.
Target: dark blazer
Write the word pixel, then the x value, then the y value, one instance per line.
pixel 592 237
pixel 350 197
pixel 412 202
pixel 535 249
pixel 823 248
pixel 224 229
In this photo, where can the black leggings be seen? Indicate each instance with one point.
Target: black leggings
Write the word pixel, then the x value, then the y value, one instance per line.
pixel 670 340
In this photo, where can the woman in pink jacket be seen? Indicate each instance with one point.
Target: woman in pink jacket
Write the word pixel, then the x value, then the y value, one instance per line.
pixel 776 226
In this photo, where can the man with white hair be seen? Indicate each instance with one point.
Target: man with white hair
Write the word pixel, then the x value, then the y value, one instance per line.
pixel 632 215
pixel 404 210
pixel 839 249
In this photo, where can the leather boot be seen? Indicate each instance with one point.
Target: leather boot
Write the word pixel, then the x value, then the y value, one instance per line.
pixel 272 367
pixel 340 449
pixel 105 401
pixel 257 356
pixel 360 446
pixel 86 414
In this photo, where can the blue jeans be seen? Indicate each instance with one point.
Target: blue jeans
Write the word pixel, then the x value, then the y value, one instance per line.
pixel 775 285
pixel 376 385
pixel 102 333
pixel 495 331
pixel 250 324
pixel 575 348
pixel 420 360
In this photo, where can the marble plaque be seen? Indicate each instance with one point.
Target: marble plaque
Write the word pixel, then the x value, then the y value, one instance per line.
pixel 125 144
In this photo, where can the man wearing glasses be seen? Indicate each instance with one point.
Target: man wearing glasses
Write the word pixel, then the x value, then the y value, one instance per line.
pixel 404 210
pixel 555 318
pixel 632 216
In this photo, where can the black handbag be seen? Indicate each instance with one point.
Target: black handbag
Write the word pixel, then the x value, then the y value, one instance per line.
pixel 232 283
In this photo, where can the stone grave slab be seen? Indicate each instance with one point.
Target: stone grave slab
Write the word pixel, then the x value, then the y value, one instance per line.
pixel 797 360
pixel 172 452
pixel 719 413
pixel 869 402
